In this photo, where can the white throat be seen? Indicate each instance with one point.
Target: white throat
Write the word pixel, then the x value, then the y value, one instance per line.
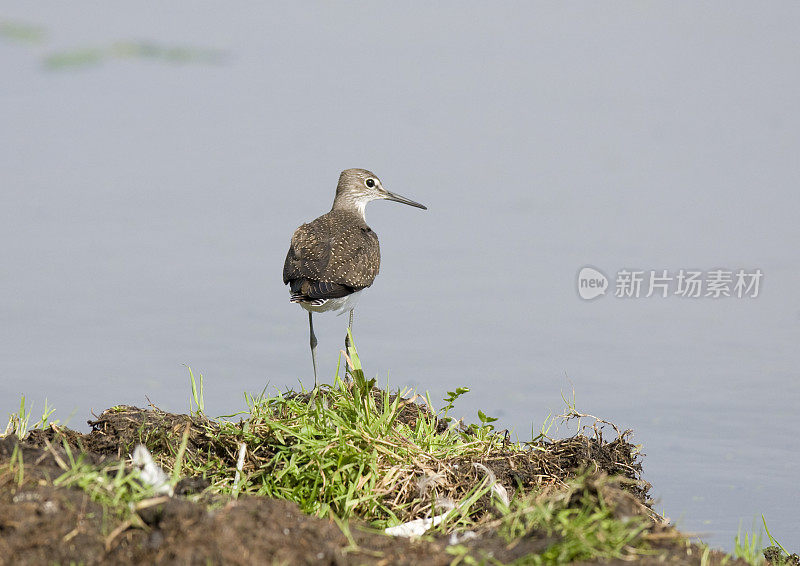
pixel 361 206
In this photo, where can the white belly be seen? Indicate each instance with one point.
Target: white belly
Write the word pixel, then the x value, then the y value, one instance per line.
pixel 339 305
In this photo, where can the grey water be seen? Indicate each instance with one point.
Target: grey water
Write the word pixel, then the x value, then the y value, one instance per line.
pixel 155 162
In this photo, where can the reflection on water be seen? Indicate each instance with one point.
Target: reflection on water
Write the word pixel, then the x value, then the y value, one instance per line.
pixel 78 57
pixel 87 56
pixel 22 32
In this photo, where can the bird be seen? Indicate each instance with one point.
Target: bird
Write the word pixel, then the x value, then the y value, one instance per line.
pixel 332 259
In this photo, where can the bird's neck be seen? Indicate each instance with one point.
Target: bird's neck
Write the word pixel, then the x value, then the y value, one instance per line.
pixel 350 205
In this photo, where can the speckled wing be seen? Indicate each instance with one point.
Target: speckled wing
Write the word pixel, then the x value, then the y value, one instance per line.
pixel 331 257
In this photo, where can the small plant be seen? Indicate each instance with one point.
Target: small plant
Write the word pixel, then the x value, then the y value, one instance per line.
pixel 197 394
pixel 544 430
pixel 46 414
pixel 486 420
pixel 363 386
pixel 450 400
pixel 15 465
pixel 115 487
pixel 18 422
pixel 582 521
pixel 485 430
pixel 748 547
pixel 776 554
pixel 176 469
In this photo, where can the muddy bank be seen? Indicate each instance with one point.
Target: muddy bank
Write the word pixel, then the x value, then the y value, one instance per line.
pixel 44 522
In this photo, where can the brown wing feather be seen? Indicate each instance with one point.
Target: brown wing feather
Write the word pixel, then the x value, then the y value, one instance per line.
pixel 337 248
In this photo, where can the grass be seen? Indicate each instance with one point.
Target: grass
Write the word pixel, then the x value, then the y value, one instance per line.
pixel 749 547
pixel 16 466
pixel 116 487
pixel 18 422
pixel 580 519
pixel 198 395
pixel 339 448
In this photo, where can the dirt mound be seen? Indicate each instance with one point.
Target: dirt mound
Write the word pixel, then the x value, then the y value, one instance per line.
pixel 43 521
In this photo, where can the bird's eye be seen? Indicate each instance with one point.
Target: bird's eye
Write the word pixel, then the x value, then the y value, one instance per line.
pixel 370 183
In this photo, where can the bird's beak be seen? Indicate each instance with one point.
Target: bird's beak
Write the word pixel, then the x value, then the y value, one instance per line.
pixel 404 200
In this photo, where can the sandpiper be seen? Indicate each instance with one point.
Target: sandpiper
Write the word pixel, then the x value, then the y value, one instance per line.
pixel 332 259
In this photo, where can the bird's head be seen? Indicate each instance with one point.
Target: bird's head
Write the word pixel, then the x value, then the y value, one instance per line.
pixel 357 187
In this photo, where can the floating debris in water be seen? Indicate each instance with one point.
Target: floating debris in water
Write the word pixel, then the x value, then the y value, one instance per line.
pixel 22 33
pixel 176 55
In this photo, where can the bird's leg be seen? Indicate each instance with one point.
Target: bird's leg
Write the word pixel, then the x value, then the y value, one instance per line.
pixel 313 347
pixel 350 328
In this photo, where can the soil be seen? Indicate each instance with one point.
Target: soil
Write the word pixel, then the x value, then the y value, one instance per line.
pixel 44 524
